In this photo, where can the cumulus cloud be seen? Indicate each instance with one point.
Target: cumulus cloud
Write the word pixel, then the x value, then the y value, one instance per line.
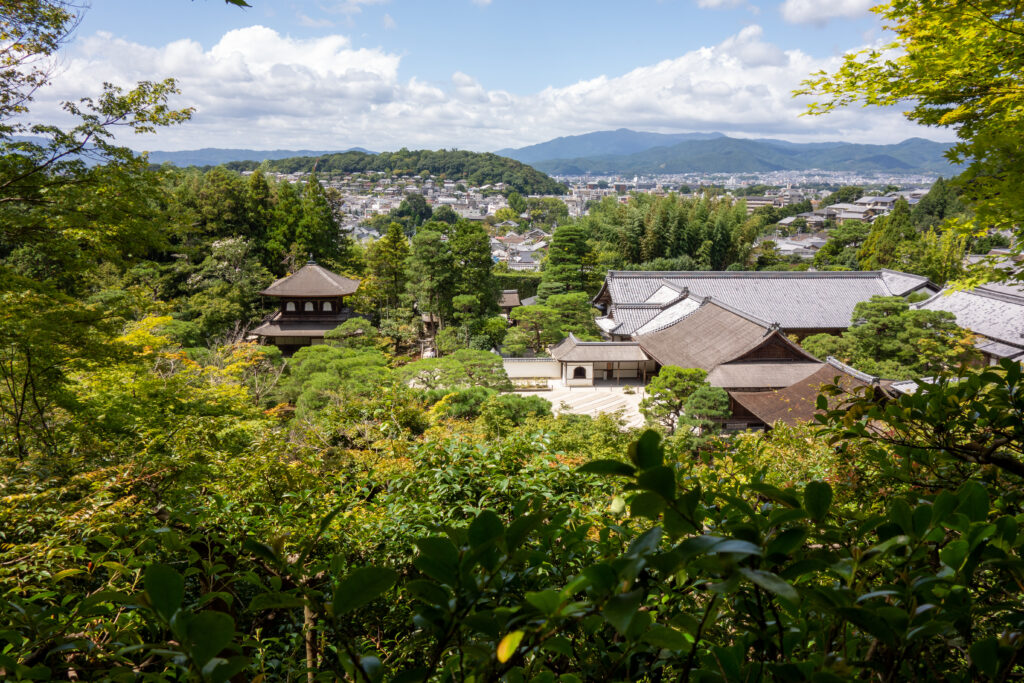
pixel 257 88
pixel 818 12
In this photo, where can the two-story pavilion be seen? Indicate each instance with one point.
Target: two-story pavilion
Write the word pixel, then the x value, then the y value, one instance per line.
pixel 312 302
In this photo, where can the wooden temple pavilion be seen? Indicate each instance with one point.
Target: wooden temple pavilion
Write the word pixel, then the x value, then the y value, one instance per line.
pixel 312 303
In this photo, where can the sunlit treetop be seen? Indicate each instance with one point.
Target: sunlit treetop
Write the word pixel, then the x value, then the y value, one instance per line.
pixel 957 64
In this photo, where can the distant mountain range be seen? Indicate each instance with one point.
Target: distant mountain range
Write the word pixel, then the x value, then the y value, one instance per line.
pixel 600 144
pixel 628 152
pixel 215 156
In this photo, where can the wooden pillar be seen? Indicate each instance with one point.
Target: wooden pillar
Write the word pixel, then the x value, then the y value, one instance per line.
pixel 618 373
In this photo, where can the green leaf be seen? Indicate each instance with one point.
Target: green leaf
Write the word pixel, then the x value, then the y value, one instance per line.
pixel 207 634
pixel 619 610
pixel 360 587
pixel 66 573
pixel 647 451
pixel 428 591
pixel 438 559
pixel 817 499
pixel 973 501
pixel 985 657
pixel 508 645
pixel 786 541
pixel 954 554
pixel 165 588
pixel 868 622
pixel 772 583
pixel 485 529
pixel 607 467
pixel 647 504
pixel 547 602
pixel 275 601
pixel 660 480
pixel 224 670
pixel 736 546
pixel 666 638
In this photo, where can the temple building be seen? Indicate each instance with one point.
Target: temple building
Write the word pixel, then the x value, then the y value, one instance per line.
pixel 312 303
pixel 801 302
pixel 993 312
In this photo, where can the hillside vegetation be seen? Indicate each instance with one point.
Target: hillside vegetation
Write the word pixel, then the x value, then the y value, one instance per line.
pixel 474 168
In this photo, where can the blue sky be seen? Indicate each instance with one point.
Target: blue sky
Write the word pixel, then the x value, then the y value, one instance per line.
pixel 475 74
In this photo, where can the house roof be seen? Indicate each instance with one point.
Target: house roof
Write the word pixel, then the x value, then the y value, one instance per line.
pixel 314 281
pixel 509 298
pixel 794 299
pixel 993 311
pixel 712 334
pixel 572 350
pixel 798 402
pixel 296 328
pixel 761 375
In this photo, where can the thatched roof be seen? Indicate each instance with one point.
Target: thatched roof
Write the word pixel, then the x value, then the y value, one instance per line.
pixel 798 403
pixel 572 350
pixel 313 281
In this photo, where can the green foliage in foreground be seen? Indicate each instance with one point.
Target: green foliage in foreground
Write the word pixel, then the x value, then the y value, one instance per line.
pixel 450 558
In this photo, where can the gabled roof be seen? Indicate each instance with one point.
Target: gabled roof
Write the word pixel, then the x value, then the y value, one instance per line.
pixel 572 350
pixel 314 281
pixel 795 299
pixel 712 334
pixel 798 402
pixel 761 375
pixel 993 311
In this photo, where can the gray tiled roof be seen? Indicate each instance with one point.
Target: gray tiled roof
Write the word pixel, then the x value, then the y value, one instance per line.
pixel 794 299
pixel 993 311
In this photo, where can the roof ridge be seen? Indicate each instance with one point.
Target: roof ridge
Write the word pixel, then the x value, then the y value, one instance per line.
pixel 743 314
pixel 853 372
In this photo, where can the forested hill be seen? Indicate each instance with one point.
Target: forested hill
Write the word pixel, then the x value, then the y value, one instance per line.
pixel 474 168
pixel 726 155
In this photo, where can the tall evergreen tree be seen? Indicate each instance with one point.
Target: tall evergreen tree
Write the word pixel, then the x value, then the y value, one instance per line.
pixel 386 262
pixel 317 231
pixel 281 236
pixel 881 248
pixel 471 251
pixel 431 273
pixel 564 270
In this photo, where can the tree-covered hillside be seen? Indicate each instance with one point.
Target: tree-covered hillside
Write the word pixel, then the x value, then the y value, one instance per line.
pixel 726 155
pixel 473 167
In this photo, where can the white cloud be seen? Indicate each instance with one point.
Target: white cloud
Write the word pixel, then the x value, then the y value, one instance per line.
pixel 257 88
pixel 389 22
pixel 482 3
pixel 819 12
pixel 307 20
pixel 715 4
pixel 351 6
